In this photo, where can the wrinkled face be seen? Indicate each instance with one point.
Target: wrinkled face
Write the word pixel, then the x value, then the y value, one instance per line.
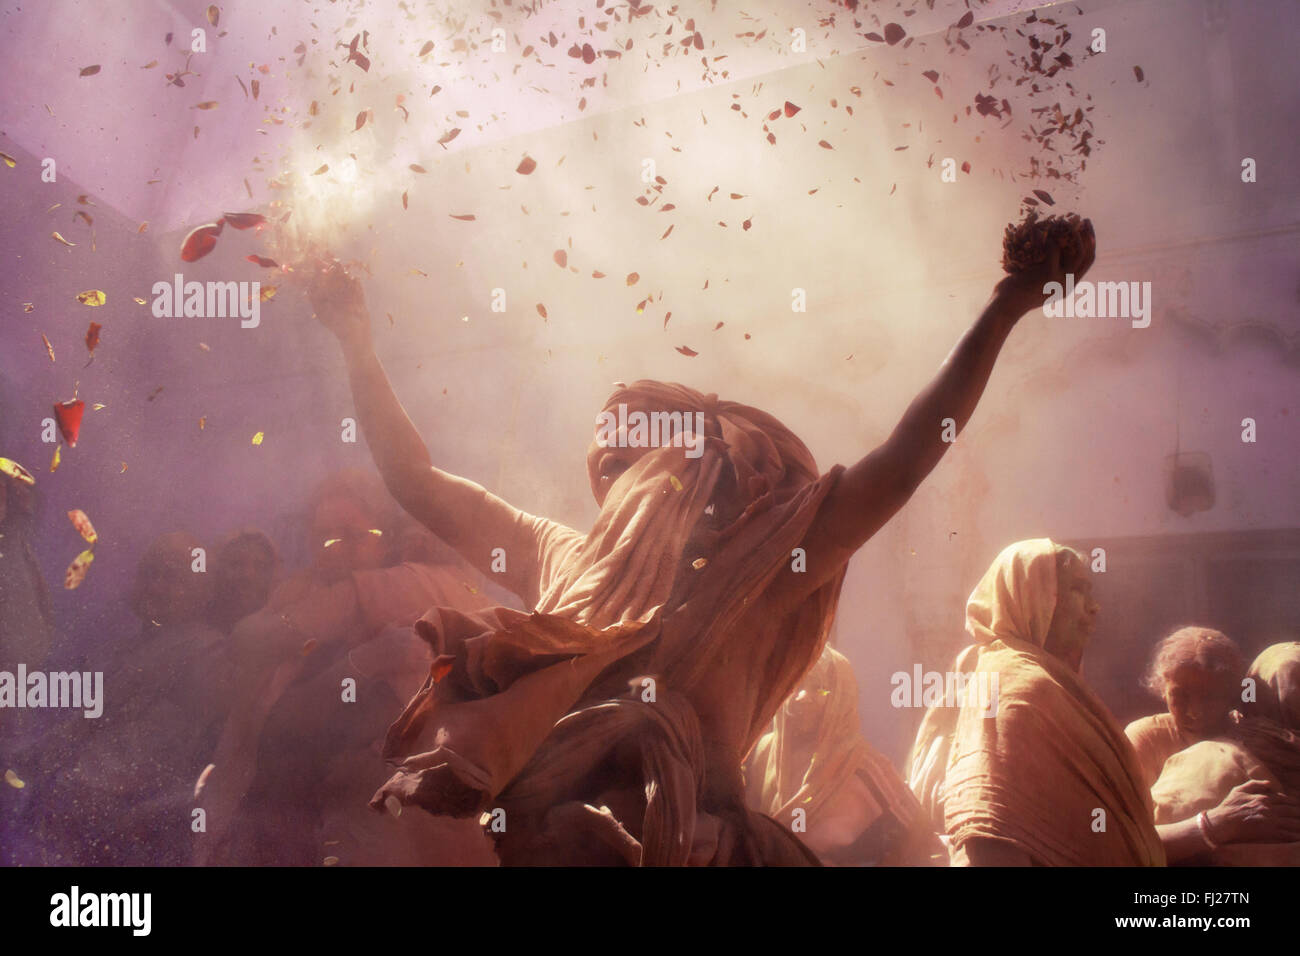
pixel 243 573
pixel 607 461
pixel 1199 700
pixel 344 539
pixel 1076 612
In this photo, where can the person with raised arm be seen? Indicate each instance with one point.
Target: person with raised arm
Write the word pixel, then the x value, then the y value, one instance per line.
pixel 608 725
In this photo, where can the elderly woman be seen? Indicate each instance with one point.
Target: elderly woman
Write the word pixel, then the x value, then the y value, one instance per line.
pixel 1197 672
pixel 685 587
pixel 1044 776
pixel 1237 777
pixel 1276 676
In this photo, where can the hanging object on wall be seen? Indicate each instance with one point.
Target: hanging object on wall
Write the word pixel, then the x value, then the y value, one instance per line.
pixel 1189 482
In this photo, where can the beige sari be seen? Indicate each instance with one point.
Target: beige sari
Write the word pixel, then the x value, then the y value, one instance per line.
pixel 660 646
pixel 1050 771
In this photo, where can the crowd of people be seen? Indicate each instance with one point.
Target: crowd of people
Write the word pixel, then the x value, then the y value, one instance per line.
pixel 285 680
pixel 660 690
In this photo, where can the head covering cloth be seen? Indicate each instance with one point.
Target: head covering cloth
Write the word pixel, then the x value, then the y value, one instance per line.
pixel 1032 765
pixel 521 707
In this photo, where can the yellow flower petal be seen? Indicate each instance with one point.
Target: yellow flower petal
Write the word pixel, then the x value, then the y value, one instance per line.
pixel 76 572
pixel 16 471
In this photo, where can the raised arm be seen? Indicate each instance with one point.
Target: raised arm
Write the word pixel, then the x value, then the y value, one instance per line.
pixel 459 511
pixel 870 492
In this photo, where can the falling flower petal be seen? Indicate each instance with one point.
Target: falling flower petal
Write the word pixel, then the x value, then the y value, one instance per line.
pixel 76 572
pixel 561 258
pixel 49 349
pixel 894 33
pixel 687 351
pixel 58 457
pixel 89 70
pixel 675 482
pixel 243 220
pixel 263 261
pixel 92 337
pixel 55 235
pixel 417 168
pixel 8 160
pixel 632 278
pixel 206 105
pixel 203 780
pixel 526 166
pixel 13 780
pixel 200 241
pixel 68 415
pixel 257 439
pixel 92 297
pixel 83 525
pixel 16 471
pixel 465 217
pixel 214 14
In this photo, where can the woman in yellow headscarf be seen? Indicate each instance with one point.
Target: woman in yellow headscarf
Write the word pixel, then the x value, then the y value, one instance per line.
pixel 814 772
pixel 1046 776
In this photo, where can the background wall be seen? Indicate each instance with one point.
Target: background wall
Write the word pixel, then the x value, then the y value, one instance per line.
pixel 1070 440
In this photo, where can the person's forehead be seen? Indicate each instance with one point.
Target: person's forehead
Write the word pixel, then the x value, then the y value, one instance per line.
pixel 1072 566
